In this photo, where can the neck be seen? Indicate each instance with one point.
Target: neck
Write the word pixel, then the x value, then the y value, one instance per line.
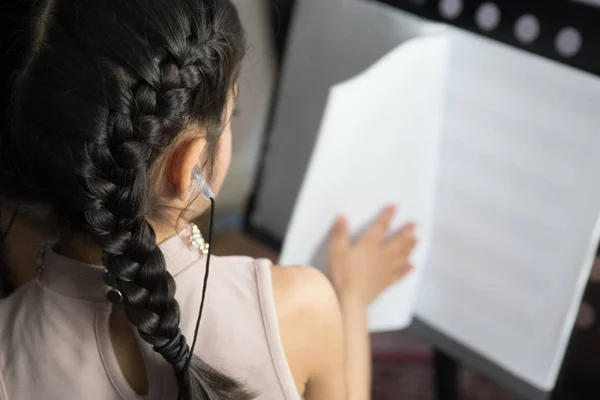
pixel 21 248
pixel 25 238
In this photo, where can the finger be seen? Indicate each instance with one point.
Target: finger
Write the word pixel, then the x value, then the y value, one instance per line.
pixel 397 274
pixel 405 251
pixel 340 237
pixel 401 238
pixel 400 271
pixel 409 246
pixel 403 271
pixel 381 227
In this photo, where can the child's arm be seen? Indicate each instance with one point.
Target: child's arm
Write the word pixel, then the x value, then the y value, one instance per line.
pixel 359 273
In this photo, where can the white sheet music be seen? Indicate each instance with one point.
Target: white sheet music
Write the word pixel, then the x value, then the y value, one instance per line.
pixel 516 207
pixel 377 145
pixel 511 236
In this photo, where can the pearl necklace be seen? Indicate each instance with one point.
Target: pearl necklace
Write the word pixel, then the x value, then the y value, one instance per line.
pixel 197 241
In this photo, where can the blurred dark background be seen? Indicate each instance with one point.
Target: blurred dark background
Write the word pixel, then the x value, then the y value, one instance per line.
pixel 281 11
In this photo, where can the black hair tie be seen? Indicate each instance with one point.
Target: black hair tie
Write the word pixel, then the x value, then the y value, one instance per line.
pixel 175 351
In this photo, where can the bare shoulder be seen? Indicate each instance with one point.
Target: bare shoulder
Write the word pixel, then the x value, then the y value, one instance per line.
pixel 309 317
pixel 304 296
pixel 303 287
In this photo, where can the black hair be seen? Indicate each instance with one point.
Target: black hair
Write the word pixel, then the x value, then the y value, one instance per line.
pixel 95 92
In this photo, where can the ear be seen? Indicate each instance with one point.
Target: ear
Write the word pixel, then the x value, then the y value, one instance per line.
pixel 183 158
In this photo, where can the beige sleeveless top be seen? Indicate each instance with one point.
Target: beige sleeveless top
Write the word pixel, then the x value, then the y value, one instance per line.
pixel 55 343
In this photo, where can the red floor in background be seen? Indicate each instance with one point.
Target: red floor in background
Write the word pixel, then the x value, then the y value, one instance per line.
pixel 403 370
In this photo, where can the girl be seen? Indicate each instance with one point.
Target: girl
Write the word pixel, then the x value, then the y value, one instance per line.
pixel 117 113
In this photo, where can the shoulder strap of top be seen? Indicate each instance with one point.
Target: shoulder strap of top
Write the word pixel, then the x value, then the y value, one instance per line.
pixel 271 327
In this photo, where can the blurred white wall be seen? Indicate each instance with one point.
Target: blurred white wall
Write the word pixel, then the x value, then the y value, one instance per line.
pixel 256 86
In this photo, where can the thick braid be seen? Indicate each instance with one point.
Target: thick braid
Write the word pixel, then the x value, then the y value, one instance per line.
pixel 108 86
pixel 129 243
pixel 118 224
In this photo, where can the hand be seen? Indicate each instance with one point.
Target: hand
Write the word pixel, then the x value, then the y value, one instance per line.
pixel 361 271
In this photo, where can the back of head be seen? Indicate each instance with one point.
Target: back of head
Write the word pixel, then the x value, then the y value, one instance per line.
pixel 95 92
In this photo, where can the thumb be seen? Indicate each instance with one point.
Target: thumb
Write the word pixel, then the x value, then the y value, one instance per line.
pixel 340 237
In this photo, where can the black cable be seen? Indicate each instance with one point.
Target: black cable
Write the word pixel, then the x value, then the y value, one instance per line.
pixel 204 284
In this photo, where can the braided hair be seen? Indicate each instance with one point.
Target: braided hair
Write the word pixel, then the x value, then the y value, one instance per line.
pixel 98 90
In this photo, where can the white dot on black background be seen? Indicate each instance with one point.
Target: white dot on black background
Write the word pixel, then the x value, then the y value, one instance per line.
pixel 568 42
pixel 451 9
pixel 488 16
pixel 527 28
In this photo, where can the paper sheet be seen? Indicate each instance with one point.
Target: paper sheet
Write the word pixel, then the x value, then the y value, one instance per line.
pixel 377 145
pixel 517 206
